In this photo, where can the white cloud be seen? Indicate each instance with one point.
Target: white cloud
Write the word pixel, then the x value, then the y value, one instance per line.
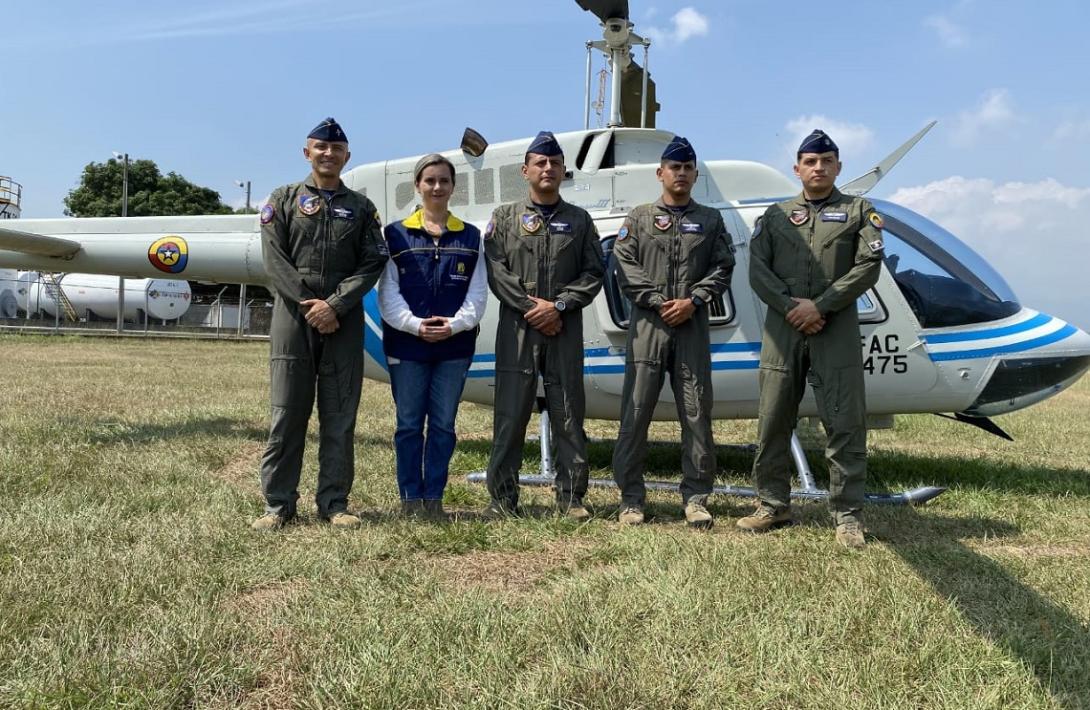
pixel 995 111
pixel 687 23
pixel 1072 131
pixel 1032 233
pixel 851 138
pixel 949 32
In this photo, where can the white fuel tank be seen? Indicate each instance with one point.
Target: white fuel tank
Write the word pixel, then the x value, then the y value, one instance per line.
pixel 9 286
pixel 161 299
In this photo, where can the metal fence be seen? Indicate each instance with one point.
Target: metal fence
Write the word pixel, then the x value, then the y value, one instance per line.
pixel 230 314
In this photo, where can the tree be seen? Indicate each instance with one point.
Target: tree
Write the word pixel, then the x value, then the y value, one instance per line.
pixel 150 192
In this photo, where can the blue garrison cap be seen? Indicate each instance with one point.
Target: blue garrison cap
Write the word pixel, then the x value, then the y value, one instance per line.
pixel 680 150
pixel 545 144
pixel 328 130
pixel 818 142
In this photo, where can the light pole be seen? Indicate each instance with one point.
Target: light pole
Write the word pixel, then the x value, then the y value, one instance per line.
pixel 242 287
pixel 246 185
pixel 124 157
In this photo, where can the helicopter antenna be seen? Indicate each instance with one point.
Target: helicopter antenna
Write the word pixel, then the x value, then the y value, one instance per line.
pixel 631 100
pixel 600 104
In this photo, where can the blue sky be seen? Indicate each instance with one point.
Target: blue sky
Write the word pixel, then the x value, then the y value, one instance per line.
pixel 225 91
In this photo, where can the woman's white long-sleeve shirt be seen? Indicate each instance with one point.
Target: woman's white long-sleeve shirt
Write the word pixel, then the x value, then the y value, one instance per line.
pixel 395 310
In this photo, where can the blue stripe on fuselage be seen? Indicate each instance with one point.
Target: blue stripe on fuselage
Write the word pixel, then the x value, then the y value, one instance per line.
pixel 1035 322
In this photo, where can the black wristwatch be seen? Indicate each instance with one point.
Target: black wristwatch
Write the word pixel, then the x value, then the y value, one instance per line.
pixel 697 301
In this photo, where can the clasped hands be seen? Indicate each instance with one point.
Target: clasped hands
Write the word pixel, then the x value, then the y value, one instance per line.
pixel 320 315
pixel 805 317
pixel 544 317
pixel 434 329
pixel 677 311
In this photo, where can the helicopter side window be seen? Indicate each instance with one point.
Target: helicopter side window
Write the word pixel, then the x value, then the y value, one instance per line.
pixel 721 310
pixel 939 289
pixel 459 197
pixel 484 189
pixel 870 307
pixel 512 184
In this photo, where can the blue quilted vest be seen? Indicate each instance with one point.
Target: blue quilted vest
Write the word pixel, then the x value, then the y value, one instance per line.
pixel 434 279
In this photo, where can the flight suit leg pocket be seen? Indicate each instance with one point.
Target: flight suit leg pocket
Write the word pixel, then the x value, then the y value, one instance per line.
pixel 692 391
pixel 845 398
pixel 333 386
pixel 774 383
pixel 291 381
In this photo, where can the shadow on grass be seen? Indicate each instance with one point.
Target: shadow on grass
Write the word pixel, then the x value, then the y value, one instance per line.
pixel 1047 639
pixel 107 431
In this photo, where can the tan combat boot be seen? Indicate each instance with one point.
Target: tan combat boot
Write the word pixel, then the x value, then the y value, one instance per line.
pixel 573 509
pixel 696 515
pixel 850 535
pixel 765 518
pixel 269 522
pixel 630 515
pixel 344 519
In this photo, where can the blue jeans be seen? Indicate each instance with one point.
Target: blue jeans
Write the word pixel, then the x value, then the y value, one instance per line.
pixel 425 390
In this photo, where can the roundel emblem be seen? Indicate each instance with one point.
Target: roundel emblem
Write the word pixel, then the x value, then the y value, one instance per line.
pixel 169 254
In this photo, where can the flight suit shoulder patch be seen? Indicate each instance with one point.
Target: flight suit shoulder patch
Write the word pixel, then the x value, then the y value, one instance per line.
pixel 267 214
pixel 876 219
pixel 310 204
pixel 531 222
pixel 758 227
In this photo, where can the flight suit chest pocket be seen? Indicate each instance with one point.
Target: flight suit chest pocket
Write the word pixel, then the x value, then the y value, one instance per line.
pixel 838 250
pixel 304 237
pixel 344 220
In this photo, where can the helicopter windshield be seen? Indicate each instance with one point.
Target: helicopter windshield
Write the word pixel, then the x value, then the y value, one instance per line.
pixel 944 281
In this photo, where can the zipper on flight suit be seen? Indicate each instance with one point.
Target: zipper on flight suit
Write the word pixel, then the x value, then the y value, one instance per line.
pixel 544 277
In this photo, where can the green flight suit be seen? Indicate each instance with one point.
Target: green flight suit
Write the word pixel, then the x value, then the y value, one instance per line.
pixel 830 254
pixel 663 256
pixel 331 250
pixel 557 259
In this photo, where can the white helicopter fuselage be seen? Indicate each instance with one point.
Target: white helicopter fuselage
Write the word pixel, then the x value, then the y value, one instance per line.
pixel 961 345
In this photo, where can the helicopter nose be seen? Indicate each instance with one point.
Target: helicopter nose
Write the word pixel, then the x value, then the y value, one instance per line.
pixel 1035 374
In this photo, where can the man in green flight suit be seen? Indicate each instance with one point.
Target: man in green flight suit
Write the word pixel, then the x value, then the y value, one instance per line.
pixel 544 265
pixel 323 250
pixel 811 257
pixel 674 258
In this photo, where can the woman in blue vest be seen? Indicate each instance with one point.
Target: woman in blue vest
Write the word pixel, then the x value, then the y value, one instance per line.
pixel 432 296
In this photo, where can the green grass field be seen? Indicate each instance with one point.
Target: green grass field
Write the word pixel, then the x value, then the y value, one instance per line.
pixel 129 575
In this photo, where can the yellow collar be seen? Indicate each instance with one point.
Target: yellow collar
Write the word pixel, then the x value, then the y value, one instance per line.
pixel 416 221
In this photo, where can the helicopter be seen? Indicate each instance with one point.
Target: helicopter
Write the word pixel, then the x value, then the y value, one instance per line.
pixel 941 331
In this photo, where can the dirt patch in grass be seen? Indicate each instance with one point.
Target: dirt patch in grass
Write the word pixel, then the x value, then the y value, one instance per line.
pixel 241 469
pixel 278 683
pixel 508 572
pixel 265 599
